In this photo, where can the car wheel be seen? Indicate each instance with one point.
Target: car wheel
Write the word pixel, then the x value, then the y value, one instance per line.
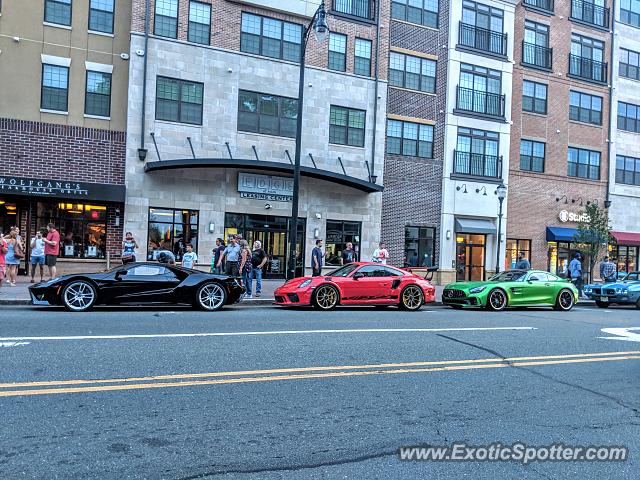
pixel 603 304
pixel 325 297
pixel 211 296
pixel 411 298
pixel 497 300
pixel 565 300
pixel 79 296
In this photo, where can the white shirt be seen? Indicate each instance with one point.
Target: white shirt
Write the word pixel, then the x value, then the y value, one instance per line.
pixel 188 258
pixel 380 255
pixel 38 247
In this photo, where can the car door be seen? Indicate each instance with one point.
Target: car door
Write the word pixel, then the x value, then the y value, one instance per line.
pixel 368 284
pixel 538 289
pixel 145 284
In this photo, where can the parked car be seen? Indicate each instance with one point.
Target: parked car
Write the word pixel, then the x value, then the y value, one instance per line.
pixel 624 292
pixel 359 283
pixel 513 288
pixel 138 284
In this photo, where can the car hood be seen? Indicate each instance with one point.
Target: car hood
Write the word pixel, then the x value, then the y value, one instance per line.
pixel 466 285
pixel 615 284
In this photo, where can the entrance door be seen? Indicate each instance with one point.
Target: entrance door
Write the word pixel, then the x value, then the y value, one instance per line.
pixel 274 244
pixel 470 250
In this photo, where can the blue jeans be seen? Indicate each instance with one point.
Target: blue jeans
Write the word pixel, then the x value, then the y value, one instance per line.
pixel 257 274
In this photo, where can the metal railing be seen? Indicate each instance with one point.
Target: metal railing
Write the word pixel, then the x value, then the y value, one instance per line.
pixel 541 4
pixel 480 102
pixel 482 39
pixel 588 69
pixel 356 8
pixel 477 164
pixel 537 55
pixel 589 12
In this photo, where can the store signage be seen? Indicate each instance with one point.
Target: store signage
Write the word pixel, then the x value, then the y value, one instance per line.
pixel 265 187
pixel 565 216
pixel 60 188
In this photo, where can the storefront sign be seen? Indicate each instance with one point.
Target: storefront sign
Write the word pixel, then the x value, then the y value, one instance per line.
pixel 265 187
pixel 61 189
pixel 565 216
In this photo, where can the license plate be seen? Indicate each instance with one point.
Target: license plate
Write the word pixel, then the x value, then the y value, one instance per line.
pixel 604 299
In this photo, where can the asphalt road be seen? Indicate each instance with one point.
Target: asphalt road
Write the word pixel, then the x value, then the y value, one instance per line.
pixel 263 393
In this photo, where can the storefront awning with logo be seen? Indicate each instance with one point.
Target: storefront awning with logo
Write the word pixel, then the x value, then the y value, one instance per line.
pixel 626 238
pixel 66 189
pixel 475 225
pixel 561 234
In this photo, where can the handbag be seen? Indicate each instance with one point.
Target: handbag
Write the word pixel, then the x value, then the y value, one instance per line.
pixel 17 250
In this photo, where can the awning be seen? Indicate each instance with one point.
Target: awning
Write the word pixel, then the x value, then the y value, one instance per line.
pixel 561 234
pixel 626 238
pixel 474 225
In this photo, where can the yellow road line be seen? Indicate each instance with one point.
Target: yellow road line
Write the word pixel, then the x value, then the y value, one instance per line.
pixel 139 386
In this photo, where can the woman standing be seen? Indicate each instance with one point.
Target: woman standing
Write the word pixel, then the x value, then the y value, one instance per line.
pixel 245 264
pixel 14 254
pixel 129 246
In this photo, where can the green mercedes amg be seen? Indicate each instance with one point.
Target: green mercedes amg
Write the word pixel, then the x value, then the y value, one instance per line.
pixel 513 288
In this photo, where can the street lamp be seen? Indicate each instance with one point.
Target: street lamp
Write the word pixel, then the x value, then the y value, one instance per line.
pixel 321 30
pixel 502 193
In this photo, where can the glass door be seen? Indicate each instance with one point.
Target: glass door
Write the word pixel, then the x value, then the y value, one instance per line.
pixel 470 253
pixel 274 245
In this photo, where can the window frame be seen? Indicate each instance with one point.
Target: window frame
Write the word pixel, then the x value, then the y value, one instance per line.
pixel 402 138
pixel 156 15
pixel 626 119
pixel 347 128
pixel 629 14
pixel 338 56
pixel 181 84
pixel 420 253
pixel 189 22
pixel 356 56
pixel 112 13
pixel 87 93
pixel 425 14
pixel 261 36
pixel 629 65
pixel 346 236
pixel 42 87
pixel 177 252
pixel 577 163
pixel 517 250
pixel 623 172
pixel 46 6
pixel 258 113
pixel 531 156
pixel 579 109
pixel 420 76
pixel 535 97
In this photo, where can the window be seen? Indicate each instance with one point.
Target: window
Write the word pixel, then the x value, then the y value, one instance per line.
pixel 268 114
pixel 629 64
pixel 593 12
pixel 629 117
pixel 546 5
pixel 101 16
pixel 346 126
pixel 477 153
pixel 414 73
pixel 172 229
pixel 376 271
pixel 411 139
pixel 357 8
pixel 481 28
pixel 419 246
pixel 630 12
pixel 531 156
pixel 148 271
pixel 585 108
pixel 584 163
pixel 627 170
pixel 362 57
pixel 199 22
pixel 513 248
pixel 83 228
pixel 338 235
pixel 421 12
pixel 587 58
pixel 535 46
pixel 337 52
pixel 179 100
pixel 58 12
pixel 55 87
pixel 98 95
pixel 480 90
pixel 534 97
pixel 270 38
pixel 166 18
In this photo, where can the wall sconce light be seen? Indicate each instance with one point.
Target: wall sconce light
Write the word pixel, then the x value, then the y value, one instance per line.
pixel 574 200
pixel 560 198
pixel 463 186
pixel 212 227
pixel 117 220
pixel 316 233
pixel 448 234
pixel 142 154
pixel 318 216
pixel 478 190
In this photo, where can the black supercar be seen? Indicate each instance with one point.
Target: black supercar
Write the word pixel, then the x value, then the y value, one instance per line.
pixel 139 284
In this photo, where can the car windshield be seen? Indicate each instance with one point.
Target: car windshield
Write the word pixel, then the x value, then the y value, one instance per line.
pixel 509 276
pixel 343 271
pixel 632 277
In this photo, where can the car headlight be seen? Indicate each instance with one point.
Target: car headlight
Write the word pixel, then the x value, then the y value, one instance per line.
pixel 477 289
pixel 621 290
pixel 587 289
pixel 304 284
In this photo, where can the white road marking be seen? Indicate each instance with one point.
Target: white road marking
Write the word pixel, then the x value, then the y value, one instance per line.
pixel 624 334
pixel 13 344
pixel 276 332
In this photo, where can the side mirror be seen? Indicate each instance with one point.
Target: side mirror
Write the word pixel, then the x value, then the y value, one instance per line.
pixel 358 275
pixel 120 273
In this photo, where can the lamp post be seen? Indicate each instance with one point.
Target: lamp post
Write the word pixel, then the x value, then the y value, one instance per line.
pixel 319 25
pixel 502 193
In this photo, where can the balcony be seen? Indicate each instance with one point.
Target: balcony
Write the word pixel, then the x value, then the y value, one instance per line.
pixel 477 165
pixel 545 6
pixel 587 69
pixel 537 56
pixel 590 13
pixel 482 40
pixel 479 103
pixel 357 9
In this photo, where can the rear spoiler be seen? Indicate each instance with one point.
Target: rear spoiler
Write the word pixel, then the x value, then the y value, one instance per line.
pixel 430 271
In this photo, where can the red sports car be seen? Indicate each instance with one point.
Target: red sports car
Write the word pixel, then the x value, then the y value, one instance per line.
pixel 360 283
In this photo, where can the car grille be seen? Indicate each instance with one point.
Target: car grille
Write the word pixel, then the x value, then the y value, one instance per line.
pixel 279 299
pixel 609 291
pixel 596 291
pixel 293 297
pixel 452 293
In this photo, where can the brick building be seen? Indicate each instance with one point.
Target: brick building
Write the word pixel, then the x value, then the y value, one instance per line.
pixel 62 123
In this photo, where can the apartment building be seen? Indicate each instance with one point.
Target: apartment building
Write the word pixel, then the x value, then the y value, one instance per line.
pixel 63 108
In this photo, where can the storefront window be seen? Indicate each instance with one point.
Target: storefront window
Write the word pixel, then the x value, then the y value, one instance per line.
pixel 515 246
pixel 625 257
pixel 419 246
pixel 172 229
pixel 470 253
pixel 83 228
pixel 338 234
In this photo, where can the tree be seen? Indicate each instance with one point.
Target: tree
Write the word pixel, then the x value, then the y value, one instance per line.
pixel 593 234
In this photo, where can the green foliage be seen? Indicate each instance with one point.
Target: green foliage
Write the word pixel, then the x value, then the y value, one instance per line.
pixel 594 234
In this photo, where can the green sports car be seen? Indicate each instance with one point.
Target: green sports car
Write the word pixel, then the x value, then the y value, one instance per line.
pixel 513 288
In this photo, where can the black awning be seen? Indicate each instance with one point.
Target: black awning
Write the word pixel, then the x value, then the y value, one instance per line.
pixel 68 189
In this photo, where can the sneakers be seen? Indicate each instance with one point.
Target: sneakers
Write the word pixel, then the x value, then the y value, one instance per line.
pixel 248 296
pixel 258 294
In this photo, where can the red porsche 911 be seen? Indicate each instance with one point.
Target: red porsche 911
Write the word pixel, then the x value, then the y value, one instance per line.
pixel 360 283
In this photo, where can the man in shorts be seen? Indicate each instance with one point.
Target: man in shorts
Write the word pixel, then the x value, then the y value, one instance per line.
pixel 51 249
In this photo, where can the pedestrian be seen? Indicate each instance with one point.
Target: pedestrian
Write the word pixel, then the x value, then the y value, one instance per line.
pixel 190 258
pixel 231 257
pixel 258 261
pixel 316 259
pixel 380 254
pixel 129 246
pixel 348 255
pixel 13 256
pixel 217 252
pixel 165 255
pixel 4 248
pixel 51 249
pixel 575 273
pixel 246 267
pixel 608 270
pixel 37 256
pixel 523 263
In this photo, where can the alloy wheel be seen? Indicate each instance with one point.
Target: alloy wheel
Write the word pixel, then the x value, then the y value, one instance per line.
pixel 211 296
pixel 497 300
pixel 412 298
pixel 565 300
pixel 326 297
pixel 79 296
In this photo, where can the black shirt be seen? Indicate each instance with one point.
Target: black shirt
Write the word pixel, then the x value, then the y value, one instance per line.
pixel 257 256
pixel 348 256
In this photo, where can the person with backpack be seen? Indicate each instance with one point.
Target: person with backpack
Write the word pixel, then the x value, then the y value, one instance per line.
pixel 245 266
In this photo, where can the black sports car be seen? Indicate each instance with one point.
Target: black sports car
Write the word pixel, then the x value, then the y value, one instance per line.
pixel 139 283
